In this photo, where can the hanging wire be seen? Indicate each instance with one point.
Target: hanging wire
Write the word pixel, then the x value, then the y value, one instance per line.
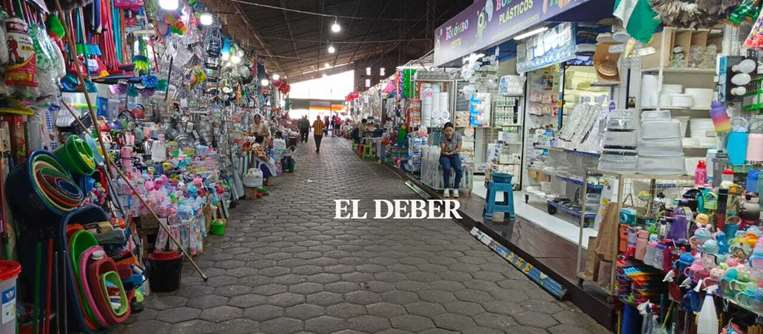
pixel 347 42
pixel 307 12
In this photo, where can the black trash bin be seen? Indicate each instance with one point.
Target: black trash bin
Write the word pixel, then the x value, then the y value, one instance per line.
pixel 164 271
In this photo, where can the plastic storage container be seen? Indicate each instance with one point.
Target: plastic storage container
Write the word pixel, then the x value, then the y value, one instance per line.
pixel 9 272
pixel 626 139
pixel 661 164
pixel 661 129
pixel 660 146
pixel 618 160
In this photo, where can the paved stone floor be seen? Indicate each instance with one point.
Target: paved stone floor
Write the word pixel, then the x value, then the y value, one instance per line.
pixel 286 266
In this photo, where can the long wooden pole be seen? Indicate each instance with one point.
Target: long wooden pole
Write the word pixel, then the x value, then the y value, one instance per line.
pixel 108 161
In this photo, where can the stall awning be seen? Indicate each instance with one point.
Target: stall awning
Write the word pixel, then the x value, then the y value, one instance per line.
pixel 487 23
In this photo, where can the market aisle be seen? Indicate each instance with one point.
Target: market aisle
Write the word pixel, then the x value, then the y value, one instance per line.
pixel 285 265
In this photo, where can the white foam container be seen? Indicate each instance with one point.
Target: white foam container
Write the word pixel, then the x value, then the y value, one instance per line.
pixel 621 138
pixel 701 127
pixel 664 146
pixel 703 97
pixel 662 164
pixel 661 129
pixel 614 160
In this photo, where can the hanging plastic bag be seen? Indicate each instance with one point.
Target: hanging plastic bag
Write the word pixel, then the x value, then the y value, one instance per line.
pixel 48 73
pixel 3 37
pixel 755 39
pixel 22 70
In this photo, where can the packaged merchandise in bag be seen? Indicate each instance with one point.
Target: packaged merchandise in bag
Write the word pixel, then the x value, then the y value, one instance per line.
pixel 22 69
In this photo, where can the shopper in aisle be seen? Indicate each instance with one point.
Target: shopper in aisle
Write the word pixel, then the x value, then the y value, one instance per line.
pixel 304 128
pixel 449 159
pixel 357 131
pixel 261 129
pixel 318 130
pixel 337 125
pixel 326 125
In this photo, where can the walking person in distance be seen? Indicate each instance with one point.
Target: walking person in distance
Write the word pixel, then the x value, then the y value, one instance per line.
pixel 318 130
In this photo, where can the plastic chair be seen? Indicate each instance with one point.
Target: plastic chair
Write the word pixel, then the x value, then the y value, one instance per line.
pixel 499 182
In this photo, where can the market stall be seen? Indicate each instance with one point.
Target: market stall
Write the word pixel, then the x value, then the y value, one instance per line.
pixel 638 146
pixel 127 133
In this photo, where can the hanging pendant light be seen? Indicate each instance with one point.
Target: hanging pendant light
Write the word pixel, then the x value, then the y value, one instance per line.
pixel 169 4
pixel 335 27
pixel 206 19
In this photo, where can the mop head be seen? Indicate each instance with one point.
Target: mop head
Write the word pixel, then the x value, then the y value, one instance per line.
pixel 141 64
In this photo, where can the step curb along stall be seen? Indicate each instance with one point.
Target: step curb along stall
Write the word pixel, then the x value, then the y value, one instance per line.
pixel 111 174
pixel 632 131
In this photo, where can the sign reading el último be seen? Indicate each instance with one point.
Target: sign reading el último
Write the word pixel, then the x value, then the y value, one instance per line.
pixel 488 22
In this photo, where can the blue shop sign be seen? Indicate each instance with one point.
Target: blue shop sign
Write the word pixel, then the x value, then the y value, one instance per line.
pixel 550 47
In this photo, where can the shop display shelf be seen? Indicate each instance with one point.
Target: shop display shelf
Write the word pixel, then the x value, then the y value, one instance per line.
pixel 591 186
pixel 605 83
pixel 637 175
pixel 561 149
pixel 744 307
pixel 574 212
pixel 680 70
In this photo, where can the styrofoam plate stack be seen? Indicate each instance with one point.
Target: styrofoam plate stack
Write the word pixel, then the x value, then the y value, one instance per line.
pixel 660 146
pixel 620 142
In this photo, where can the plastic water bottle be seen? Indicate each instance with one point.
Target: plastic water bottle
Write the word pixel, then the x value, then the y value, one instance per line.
pixel 700 174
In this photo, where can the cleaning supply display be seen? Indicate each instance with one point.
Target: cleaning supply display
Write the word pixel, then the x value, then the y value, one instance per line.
pixel 109 157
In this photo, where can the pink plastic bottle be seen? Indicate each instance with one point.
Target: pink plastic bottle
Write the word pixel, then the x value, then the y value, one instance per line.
pixel 700 174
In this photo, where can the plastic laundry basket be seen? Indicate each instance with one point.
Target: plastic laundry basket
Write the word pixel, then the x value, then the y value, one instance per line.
pixel 9 272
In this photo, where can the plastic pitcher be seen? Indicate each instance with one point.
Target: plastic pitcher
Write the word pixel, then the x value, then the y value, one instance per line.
pixel 755 142
pixel 736 142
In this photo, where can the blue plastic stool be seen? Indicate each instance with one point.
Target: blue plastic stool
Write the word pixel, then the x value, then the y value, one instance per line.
pixel 500 182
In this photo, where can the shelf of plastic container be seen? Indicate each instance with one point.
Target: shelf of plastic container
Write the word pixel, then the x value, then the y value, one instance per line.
pixel 675 108
pixel 687 70
pixel 605 83
pixel 569 211
pixel 649 176
pixel 744 307
pixel 591 186
pixel 561 149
